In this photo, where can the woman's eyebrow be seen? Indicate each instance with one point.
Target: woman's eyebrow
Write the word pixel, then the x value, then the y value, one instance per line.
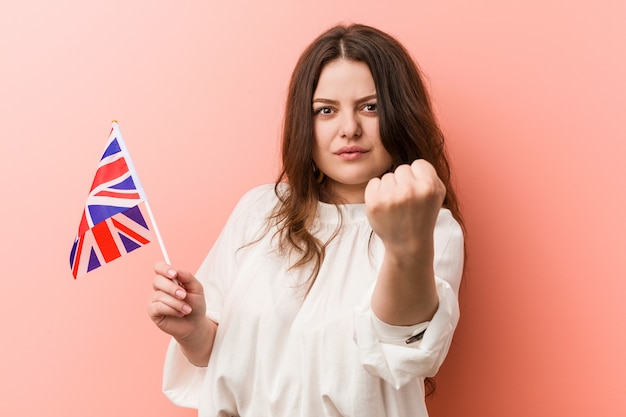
pixel 367 98
pixel 325 100
pixel 329 101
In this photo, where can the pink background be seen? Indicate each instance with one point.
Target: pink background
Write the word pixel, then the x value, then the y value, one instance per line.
pixel 530 93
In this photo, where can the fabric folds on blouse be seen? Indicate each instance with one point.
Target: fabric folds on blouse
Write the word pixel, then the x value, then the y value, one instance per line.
pixel 278 353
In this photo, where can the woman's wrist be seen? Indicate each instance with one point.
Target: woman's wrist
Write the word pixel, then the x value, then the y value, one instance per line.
pixel 198 344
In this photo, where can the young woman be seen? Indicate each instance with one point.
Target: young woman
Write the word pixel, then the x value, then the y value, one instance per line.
pixel 332 292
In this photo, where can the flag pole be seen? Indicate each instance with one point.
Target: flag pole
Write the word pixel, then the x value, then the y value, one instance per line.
pixel 166 258
pixel 140 189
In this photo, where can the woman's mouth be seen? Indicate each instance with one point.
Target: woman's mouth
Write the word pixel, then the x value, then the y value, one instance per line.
pixel 350 153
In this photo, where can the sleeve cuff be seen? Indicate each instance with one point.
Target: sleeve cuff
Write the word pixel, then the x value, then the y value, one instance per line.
pixel 395 361
pixel 399 335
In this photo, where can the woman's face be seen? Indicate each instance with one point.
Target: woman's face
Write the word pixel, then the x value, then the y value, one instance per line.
pixel 347 147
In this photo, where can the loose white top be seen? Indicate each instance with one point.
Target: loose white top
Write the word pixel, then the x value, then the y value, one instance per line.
pixel 279 354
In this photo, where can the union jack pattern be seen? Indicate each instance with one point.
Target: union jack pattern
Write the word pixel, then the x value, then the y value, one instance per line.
pixel 113 222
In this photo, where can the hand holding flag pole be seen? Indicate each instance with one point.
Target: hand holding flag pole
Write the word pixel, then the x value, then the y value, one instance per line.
pixel 113 221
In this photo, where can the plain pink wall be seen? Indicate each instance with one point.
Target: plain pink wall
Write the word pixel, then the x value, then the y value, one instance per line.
pixel 531 95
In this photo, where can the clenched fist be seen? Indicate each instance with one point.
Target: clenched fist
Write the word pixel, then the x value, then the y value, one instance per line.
pixel 402 208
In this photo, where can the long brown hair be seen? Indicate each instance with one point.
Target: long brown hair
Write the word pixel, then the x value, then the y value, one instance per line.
pixel 407 124
pixel 408 130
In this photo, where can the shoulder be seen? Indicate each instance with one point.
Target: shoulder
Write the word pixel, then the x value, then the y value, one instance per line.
pixel 261 194
pixel 445 220
pixel 447 228
pixel 449 249
pixel 259 201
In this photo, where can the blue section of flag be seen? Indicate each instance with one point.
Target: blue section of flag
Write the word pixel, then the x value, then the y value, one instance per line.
pixel 73 251
pixel 101 213
pixel 129 245
pixel 134 213
pixel 93 261
pixel 111 149
pixel 127 184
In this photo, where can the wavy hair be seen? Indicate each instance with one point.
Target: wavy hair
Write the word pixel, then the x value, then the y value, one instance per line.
pixel 407 124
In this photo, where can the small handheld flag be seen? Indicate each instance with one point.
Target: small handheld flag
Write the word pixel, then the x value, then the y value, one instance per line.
pixel 113 221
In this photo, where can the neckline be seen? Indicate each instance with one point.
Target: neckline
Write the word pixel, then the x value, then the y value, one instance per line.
pixel 351 213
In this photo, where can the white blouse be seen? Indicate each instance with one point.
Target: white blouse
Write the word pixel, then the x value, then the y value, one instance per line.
pixel 278 353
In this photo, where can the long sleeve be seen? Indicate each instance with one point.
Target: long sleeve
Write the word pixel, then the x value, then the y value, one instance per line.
pixel 383 349
pixel 182 381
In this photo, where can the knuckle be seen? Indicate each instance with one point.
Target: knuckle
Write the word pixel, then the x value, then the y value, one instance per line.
pixel 389 176
pixel 403 168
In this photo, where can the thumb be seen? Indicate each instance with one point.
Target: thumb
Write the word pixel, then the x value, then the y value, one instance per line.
pixel 186 280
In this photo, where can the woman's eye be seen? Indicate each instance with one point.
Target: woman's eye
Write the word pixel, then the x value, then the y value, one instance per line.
pixel 370 107
pixel 323 110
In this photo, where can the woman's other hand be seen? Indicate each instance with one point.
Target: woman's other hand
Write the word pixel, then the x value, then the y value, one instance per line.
pixel 177 303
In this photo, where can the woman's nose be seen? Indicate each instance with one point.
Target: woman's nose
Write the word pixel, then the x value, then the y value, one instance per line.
pixel 350 126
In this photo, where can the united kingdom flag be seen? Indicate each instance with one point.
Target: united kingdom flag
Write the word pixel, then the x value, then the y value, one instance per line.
pixel 113 222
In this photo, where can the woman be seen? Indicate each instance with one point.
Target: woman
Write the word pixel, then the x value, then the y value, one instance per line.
pixel 334 291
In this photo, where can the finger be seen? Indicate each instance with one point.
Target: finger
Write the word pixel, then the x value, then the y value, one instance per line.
pixel 184 279
pixel 422 168
pixel 158 310
pixel 163 304
pixel 189 282
pixel 428 178
pixel 378 191
pixel 371 189
pixel 163 269
pixel 387 182
pixel 166 285
pixel 404 175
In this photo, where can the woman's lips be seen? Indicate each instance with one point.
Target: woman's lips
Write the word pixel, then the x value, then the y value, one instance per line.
pixel 350 153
